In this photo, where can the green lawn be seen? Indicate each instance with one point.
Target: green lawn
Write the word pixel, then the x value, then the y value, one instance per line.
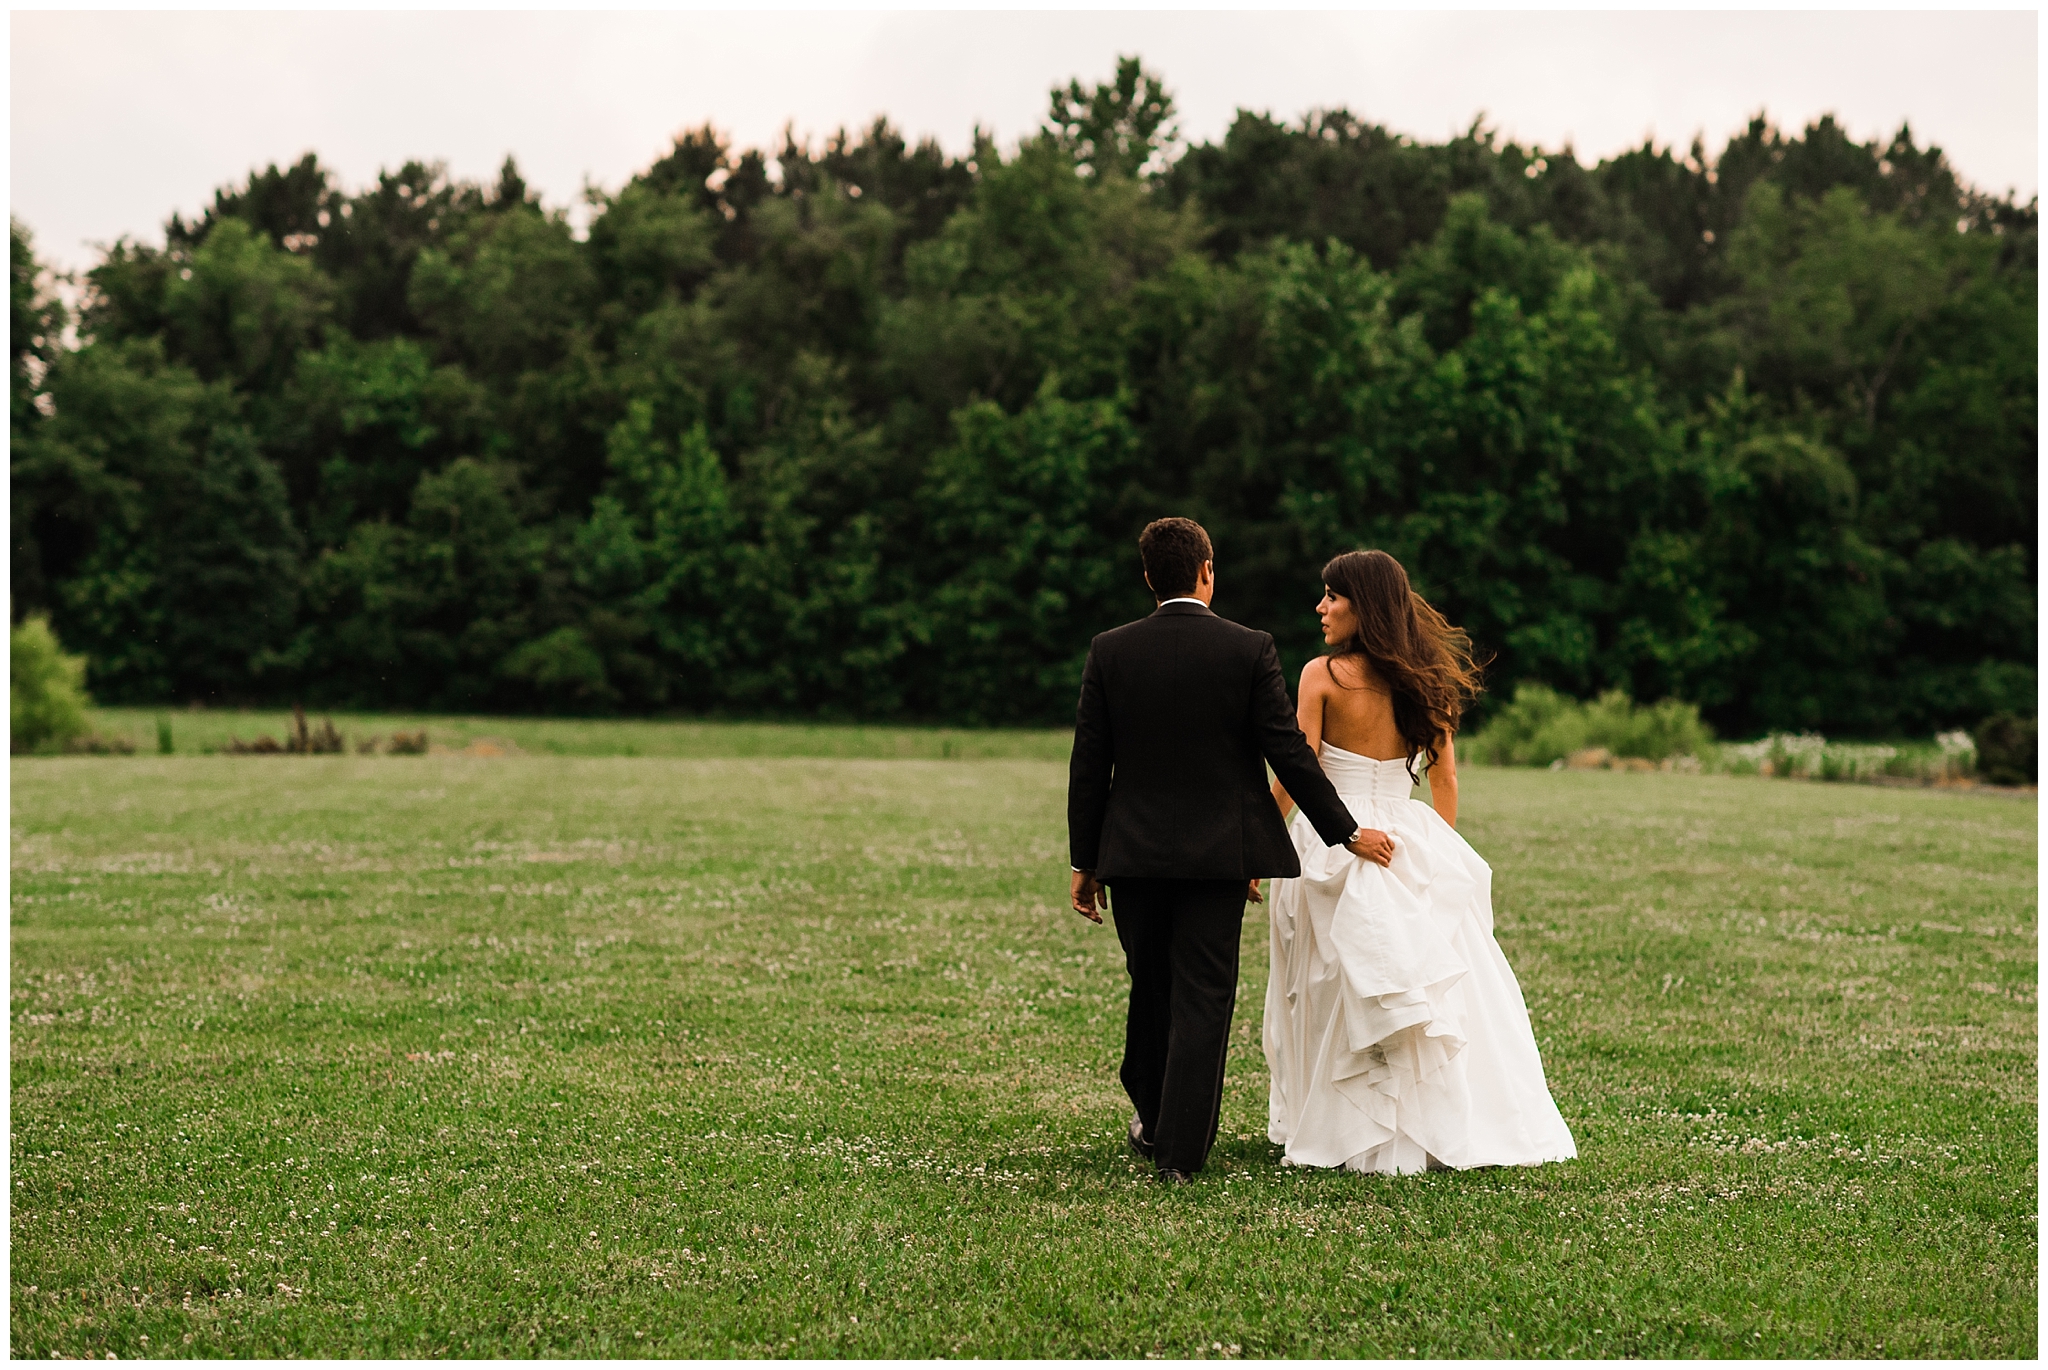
pixel 201 731
pixel 695 1056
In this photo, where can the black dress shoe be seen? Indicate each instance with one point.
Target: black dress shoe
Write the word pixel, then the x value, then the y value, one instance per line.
pixel 1170 1176
pixel 1136 1137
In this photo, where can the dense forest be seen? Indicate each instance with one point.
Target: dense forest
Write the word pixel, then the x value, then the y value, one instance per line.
pixel 868 430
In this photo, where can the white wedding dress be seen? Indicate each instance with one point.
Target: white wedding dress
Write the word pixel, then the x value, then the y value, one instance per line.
pixel 1395 1032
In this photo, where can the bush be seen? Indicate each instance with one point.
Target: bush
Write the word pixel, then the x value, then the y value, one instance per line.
pixel 1540 726
pixel 408 744
pixel 1655 732
pixel 1946 759
pixel 46 690
pixel 2005 749
pixel 1537 726
pixel 299 740
pixel 1781 754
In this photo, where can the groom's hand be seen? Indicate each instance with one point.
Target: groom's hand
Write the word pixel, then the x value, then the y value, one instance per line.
pixel 1089 897
pixel 1374 845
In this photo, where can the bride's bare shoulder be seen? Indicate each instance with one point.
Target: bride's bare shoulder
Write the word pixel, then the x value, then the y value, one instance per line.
pixel 1349 672
pixel 1316 674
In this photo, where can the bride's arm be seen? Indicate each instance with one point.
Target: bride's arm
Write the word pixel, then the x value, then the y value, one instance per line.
pixel 1443 782
pixel 1308 713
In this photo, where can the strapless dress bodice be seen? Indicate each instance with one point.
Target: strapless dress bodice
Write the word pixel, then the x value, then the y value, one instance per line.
pixel 1361 777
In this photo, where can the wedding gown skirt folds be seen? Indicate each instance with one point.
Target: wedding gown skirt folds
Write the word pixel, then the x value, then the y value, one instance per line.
pixel 1395 1032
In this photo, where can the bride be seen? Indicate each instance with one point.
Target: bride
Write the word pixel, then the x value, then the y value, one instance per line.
pixel 1395 1032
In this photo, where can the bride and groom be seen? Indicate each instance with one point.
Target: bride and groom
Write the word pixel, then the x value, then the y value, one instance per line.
pixel 1395 1032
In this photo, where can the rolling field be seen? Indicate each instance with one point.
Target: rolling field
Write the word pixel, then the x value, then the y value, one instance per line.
pixel 791 1055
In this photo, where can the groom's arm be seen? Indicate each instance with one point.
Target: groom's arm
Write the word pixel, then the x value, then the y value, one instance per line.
pixel 1288 753
pixel 1088 772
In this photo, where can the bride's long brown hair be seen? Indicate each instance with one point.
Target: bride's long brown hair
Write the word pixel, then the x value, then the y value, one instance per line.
pixel 1426 662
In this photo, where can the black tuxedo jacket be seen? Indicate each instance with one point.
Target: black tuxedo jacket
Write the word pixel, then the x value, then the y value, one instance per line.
pixel 1179 712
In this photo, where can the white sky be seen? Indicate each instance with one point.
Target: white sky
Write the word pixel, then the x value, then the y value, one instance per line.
pixel 120 118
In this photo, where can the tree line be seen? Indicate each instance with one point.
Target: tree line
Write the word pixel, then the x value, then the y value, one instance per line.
pixel 868 430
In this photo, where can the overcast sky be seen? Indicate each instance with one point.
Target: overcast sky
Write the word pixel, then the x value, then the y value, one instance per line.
pixel 120 118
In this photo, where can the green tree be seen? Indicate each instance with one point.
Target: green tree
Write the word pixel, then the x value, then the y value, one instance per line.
pixel 36 324
pixel 1122 127
pixel 1020 571
pixel 361 422
pixel 241 309
pixel 187 573
pixel 434 611
pixel 868 429
pixel 1810 586
pixel 657 554
pixel 46 700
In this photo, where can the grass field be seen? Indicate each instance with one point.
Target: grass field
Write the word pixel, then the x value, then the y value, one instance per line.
pixel 787 1056
pixel 200 731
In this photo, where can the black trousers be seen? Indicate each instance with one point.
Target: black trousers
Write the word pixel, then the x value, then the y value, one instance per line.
pixel 1180 945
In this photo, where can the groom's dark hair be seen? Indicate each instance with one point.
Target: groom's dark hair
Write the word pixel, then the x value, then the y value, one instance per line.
pixel 1173 551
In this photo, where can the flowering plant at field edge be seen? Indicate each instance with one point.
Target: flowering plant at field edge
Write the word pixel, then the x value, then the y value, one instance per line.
pixel 1952 757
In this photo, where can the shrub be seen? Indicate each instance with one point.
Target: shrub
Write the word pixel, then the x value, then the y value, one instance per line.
pixel 1668 728
pixel 46 690
pixel 1853 761
pixel 309 742
pixel 2005 749
pixel 1779 754
pixel 1540 726
pixel 1945 760
pixel 299 740
pixel 1537 726
pixel 1958 753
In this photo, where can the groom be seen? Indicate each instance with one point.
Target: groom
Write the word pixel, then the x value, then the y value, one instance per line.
pixel 1167 804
